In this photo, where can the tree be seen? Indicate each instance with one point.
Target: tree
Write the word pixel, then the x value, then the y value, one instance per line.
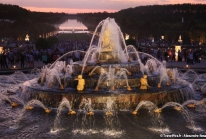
pixel 131 41
pixel 42 43
pixel 51 41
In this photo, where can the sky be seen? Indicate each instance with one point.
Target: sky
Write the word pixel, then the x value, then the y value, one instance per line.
pixel 85 6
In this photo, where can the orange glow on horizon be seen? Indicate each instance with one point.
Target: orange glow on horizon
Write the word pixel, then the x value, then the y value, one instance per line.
pixel 70 11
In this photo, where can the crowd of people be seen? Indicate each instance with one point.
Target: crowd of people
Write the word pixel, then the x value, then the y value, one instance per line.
pixel 25 57
pixel 190 56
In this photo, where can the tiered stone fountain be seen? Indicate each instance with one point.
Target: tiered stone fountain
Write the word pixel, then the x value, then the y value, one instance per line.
pixel 109 70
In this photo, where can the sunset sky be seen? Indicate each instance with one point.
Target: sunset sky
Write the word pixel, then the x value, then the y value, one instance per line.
pixel 84 6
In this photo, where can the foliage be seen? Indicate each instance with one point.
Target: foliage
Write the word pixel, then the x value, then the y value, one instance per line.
pixel 16 22
pixel 42 43
pixel 51 41
pixel 158 20
pixel 13 12
pixel 131 41
pixel 74 36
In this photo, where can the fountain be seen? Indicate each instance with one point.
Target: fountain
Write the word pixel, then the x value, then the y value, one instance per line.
pixel 109 68
pixel 109 94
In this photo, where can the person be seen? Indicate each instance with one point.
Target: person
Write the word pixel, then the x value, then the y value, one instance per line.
pixel 11 58
pixel 22 58
pixel 4 60
pixel 55 57
pixel 143 58
pixel 158 54
pixel 77 56
pixel 198 57
pixel 191 57
pixel 44 59
pixel 27 59
pixel 31 60
pixel 179 56
pixel 1 61
pixel 173 56
pixel 166 55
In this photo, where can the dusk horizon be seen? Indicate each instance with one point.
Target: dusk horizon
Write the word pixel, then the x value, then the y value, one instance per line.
pixel 89 6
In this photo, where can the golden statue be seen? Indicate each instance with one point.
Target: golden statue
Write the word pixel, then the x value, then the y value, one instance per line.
pixel 192 105
pixel 143 83
pixel 107 45
pixel 170 74
pixel 61 86
pixel 158 110
pixel 90 113
pixel 177 108
pixel 81 83
pixel 134 112
pixel 159 85
pixel 14 104
pixel 72 112
pixel 47 110
pixel 109 113
pixel 29 107
pixel 129 88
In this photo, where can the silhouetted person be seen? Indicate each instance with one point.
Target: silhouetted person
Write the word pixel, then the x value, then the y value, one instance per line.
pixel 22 60
pixel 4 61
pixel 44 59
pixel 173 56
pixel 1 61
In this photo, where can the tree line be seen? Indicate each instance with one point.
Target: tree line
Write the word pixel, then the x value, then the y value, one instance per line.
pixel 16 22
pixel 170 21
pixel 187 20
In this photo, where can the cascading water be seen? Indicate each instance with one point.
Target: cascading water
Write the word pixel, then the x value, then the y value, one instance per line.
pixel 57 122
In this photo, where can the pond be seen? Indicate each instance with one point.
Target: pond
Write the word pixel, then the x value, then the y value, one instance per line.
pixel 72 25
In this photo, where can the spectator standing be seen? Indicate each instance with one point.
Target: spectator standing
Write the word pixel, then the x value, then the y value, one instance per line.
pixel 173 56
pixel 22 57
pixel 31 60
pixel 27 59
pixel 1 61
pixel 191 57
pixel 4 61
pixel 44 59
pixel 77 56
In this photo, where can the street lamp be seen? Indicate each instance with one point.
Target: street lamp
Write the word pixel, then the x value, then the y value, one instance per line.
pixel 1 49
pixel 27 37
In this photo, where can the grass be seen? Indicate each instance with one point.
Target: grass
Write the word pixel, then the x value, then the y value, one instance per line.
pixel 74 36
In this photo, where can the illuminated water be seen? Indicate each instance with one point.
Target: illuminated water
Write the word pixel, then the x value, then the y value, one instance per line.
pixel 72 25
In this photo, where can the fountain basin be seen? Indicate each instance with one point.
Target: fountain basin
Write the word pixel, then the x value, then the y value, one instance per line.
pixel 51 97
